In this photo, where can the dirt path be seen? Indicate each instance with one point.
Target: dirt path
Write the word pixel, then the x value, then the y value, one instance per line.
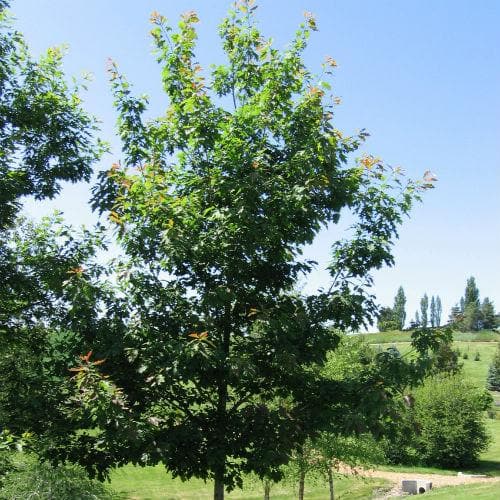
pixel 438 480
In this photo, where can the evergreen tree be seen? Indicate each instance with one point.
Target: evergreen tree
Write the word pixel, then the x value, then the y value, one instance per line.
pixel 399 308
pixel 456 315
pixel 433 312
pixel 488 317
pixel 439 310
pixel 424 307
pixel 471 307
pixel 493 380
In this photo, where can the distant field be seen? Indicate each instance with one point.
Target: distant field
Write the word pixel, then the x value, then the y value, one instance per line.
pixel 397 336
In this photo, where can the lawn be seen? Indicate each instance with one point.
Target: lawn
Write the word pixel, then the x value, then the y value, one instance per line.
pixel 397 336
pixel 482 491
pixel 153 483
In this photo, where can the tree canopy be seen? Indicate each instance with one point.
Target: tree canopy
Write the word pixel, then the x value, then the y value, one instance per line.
pixel 213 204
pixel 202 354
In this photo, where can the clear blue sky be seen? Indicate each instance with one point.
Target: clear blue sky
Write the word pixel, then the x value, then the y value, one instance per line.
pixel 422 76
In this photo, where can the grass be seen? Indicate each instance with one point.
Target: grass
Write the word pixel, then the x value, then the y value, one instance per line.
pixel 481 491
pixel 154 483
pixel 397 336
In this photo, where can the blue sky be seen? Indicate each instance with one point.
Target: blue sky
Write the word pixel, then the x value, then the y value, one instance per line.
pixel 422 76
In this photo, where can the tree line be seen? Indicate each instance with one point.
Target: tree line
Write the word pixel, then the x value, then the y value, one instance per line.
pixel 469 314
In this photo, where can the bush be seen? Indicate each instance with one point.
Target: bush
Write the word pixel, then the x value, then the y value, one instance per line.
pixel 32 479
pixel 6 464
pixel 450 416
pixel 493 380
pixel 477 357
pixel 445 360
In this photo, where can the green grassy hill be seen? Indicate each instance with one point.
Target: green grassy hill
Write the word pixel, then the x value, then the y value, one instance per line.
pixel 405 336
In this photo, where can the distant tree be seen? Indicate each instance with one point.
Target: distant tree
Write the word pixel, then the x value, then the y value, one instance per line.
pixel 462 304
pixel 456 315
pixel 493 379
pixel 386 321
pixel 416 321
pixel 471 292
pixel 433 312
pixel 439 310
pixel 472 307
pixel 399 312
pixel 424 307
pixel 488 317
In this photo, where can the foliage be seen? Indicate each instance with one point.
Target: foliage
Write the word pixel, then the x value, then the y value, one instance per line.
pixel 317 460
pixel 493 379
pixel 386 320
pixel 433 312
pixel 424 307
pixel 53 311
pixel 451 428
pixel 32 479
pixel 438 311
pixel 45 136
pixel 467 316
pixel 488 316
pixel 445 360
pixel 393 318
pixel 213 205
pixel 399 308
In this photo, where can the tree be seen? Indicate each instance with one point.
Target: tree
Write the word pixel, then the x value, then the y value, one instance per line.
pixel 424 307
pixel 386 320
pixel 471 307
pixel 488 318
pixel 399 308
pixel 45 135
pixel 433 312
pixel 416 322
pixel 213 205
pixel 455 316
pixel 493 380
pixel 46 139
pixel 438 311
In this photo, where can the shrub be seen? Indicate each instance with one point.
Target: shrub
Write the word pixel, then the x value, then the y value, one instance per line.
pixel 445 360
pixel 6 464
pixel 493 380
pixel 465 355
pixel 477 357
pixel 32 479
pixel 450 416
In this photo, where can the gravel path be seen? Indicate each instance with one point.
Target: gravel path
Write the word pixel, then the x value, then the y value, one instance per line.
pixel 438 480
